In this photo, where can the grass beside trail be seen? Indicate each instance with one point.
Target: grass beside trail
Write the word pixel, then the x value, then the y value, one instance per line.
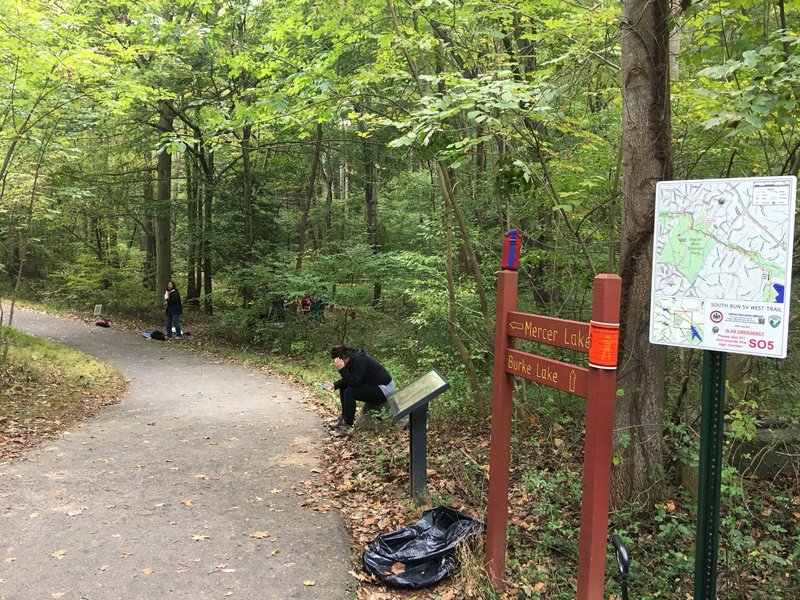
pixel 46 388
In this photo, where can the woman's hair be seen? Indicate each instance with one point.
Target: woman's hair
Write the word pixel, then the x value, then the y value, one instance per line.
pixel 341 351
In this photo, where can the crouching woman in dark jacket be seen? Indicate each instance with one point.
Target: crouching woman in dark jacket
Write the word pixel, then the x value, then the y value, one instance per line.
pixel 362 379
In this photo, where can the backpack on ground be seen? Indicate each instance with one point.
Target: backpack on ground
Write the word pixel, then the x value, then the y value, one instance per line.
pixel 157 335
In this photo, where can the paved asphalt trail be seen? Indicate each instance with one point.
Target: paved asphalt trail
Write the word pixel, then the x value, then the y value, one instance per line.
pixel 167 495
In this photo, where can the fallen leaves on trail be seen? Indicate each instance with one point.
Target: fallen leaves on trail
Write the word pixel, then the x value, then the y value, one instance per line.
pixel 364 593
pixel 187 502
pixel 39 402
pixel 200 537
pixel 59 554
pixel 259 535
pixel 361 576
pixel 148 570
pixel 309 582
pixel 126 554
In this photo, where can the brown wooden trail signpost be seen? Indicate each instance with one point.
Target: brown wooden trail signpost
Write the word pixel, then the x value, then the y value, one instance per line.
pixel 597 383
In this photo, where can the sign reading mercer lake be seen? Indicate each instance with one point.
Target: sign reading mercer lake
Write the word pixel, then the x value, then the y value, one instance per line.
pixel 573 335
pixel 722 264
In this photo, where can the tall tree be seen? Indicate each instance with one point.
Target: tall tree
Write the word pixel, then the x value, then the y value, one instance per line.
pixel 639 418
pixel 308 197
pixel 163 212
pixel 369 159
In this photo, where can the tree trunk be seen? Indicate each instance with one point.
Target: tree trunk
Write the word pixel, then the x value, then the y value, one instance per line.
pixel 113 241
pixel 371 206
pixel 24 239
pixel 208 205
pixel 327 174
pixel 370 197
pixel 448 191
pixel 96 227
pixel 192 219
pixel 639 419
pixel 163 209
pixel 247 208
pixel 148 227
pixel 463 352
pixel 312 182
pixel 198 234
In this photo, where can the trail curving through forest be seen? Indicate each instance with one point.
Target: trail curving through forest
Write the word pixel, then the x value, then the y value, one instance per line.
pixel 192 487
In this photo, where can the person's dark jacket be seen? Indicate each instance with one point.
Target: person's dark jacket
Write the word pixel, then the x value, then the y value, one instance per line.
pixel 174 305
pixel 362 369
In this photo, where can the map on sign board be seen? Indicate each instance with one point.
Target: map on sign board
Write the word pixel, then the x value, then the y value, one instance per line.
pixel 722 267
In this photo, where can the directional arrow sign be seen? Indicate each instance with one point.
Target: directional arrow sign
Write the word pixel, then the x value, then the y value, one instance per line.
pixel 549 330
pixel 554 373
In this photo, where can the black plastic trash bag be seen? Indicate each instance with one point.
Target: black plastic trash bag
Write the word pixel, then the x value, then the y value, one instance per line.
pixel 423 554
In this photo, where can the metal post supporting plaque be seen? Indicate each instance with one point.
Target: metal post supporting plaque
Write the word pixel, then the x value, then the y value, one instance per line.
pixel 418 448
pixel 412 402
pixel 708 505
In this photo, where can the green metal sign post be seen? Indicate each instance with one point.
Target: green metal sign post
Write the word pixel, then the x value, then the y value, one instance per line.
pixel 708 505
pixel 722 283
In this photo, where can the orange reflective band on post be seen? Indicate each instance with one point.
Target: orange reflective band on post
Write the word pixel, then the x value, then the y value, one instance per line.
pixel 603 345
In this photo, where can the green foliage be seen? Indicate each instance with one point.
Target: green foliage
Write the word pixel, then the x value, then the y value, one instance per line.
pixel 754 554
pixel 761 87
pixel 684 444
pixel 551 530
pixel 520 101
pixel 88 282
pixel 741 417
pixel 35 361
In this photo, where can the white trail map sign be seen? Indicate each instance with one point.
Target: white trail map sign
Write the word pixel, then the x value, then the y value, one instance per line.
pixel 722 264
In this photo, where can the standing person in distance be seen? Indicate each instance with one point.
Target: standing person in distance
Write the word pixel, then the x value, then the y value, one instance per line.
pixel 362 379
pixel 173 310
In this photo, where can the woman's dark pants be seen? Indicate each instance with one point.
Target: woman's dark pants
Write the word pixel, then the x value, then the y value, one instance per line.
pixel 362 393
